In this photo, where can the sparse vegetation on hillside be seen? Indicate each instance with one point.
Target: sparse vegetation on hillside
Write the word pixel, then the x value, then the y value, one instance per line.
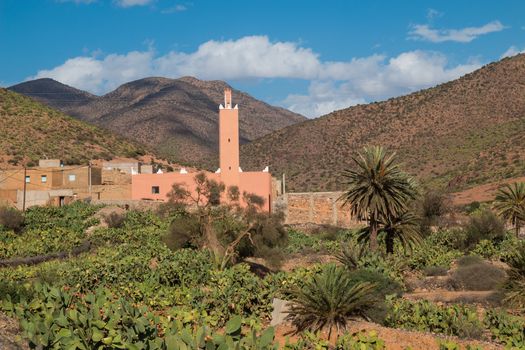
pixel 175 117
pixel 31 131
pixel 458 134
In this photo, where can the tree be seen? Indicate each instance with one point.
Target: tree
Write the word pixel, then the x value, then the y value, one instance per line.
pixel 510 204
pixel 376 188
pixel 223 221
pixel 403 227
pixel 327 300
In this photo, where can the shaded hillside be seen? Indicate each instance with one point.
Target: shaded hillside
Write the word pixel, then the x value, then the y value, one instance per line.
pixel 178 117
pixel 31 130
pixel 54 94
pixel 460 133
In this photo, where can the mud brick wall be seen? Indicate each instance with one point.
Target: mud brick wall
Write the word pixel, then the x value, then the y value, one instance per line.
pixel 115 177
pixel 321 208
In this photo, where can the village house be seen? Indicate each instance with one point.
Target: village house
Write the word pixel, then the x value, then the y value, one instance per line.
pixel 49 183
pixel 156 186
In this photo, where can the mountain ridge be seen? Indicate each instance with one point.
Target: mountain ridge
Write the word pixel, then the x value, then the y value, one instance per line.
pixel 455 134
pixel 177 117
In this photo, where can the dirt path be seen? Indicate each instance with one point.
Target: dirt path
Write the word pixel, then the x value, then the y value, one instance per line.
pixel 482 193
pixel 9 334
pixel 397 339
pixel 446 296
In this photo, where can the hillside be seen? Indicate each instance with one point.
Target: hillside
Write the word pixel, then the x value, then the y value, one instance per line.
pixel 31 130
pixel 177 117
pixel 464 132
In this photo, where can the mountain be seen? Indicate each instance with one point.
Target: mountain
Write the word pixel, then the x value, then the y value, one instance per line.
pixel 458 134
pixel 54 94
pixel 177 117
pixel 31 130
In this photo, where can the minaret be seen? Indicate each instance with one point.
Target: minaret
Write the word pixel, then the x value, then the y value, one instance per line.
pixel 229 141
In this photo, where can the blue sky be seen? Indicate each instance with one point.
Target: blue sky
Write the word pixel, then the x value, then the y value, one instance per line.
pixel 309 56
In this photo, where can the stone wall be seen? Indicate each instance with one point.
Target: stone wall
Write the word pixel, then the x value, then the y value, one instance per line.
pixel 322 208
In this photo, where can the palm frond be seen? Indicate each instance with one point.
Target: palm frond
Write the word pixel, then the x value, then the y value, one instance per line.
pixel 328 300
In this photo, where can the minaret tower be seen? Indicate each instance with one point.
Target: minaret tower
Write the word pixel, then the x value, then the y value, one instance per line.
pixel 229 141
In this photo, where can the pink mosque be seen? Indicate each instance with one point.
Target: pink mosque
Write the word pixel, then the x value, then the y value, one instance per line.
pixel 157 186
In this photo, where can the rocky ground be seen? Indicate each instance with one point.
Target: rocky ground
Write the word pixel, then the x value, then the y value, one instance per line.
pixel 9 334
pixel 397 339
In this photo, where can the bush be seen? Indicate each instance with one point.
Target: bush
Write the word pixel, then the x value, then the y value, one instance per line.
pixel 434 205
pixel 114 219
pixel 468 260
pixel 385 286
pixel 11 218
pixel 478 276
pixel 354 257
pixel 181 232
pixel 483 225
pixel 505 328
pixel 61 319
pixel 486 249
pixel 436 271
pixel 425 316
pixel 436 250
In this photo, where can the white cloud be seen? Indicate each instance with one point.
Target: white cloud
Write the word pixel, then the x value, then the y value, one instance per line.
pixel 323 97
pixel 333 85
pixel 78 1
pixel 464 35
pixel 174 9
pixel 512 51
pixel 101 75
pixel 433 13
pixel 377 79
pixel 130 3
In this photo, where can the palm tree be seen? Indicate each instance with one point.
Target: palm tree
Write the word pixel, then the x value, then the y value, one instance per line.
pixel 329 299
pixel 510 204
pixel 403 227
pixel 377 188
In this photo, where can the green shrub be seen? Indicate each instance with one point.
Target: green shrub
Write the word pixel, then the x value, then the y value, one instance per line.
pixel 425 316
pixel 505 328
pixel 486 249
pixel 385 286
pixel 181 232
pixel 360 341
pixel 300 242
pixel 484 225
pixel 59 319
pixel 436 250
pixel 354 257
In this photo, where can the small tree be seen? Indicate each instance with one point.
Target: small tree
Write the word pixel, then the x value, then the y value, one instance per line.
pixel 377 187
pixel 510 204
pixel 223 228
